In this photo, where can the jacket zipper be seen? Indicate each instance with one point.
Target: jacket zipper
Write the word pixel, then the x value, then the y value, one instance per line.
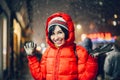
pixel 56 65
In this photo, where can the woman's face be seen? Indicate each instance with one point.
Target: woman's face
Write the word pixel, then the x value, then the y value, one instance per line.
pixel 58 36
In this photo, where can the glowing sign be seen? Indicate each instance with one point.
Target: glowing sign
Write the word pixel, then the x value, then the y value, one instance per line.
pixel 106 36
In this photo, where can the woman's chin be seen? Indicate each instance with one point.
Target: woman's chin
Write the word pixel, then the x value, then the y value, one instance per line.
pixel 58 45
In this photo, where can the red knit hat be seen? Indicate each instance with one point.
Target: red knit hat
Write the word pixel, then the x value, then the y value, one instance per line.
pixel 57 21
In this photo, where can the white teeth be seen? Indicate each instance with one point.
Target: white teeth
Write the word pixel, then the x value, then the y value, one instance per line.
pixel 58 41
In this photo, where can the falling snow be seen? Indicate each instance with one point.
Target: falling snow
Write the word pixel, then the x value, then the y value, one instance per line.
pixel 81 11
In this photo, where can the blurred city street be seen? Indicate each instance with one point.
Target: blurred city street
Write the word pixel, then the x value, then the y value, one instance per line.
pixel 22 21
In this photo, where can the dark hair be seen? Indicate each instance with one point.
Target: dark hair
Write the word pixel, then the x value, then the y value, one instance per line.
pixel 52 28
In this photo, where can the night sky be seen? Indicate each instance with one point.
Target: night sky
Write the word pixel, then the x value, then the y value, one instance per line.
pixel 84 12
pixel 94 15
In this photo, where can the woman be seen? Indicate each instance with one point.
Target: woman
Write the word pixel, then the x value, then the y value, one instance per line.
pixel 62 60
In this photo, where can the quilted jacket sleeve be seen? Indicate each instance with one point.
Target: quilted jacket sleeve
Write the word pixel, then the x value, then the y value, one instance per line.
pixel 38 68
pixel 87 65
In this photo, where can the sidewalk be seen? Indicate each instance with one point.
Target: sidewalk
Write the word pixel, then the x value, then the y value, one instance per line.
pixel 25 73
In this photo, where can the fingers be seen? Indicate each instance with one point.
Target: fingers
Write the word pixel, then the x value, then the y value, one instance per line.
pixel 33 45
pixel 30 45
pixel 25 47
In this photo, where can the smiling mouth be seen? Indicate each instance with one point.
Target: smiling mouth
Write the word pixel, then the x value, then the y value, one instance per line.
pixel 58 42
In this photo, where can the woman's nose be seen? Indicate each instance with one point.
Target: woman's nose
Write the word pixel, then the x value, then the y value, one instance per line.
pixel 56 37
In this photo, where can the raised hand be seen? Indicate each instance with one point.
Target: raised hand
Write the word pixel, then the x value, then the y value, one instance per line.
pixel 29 48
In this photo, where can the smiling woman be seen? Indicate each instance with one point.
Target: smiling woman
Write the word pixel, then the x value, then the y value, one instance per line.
pixel 59 61
pixel 57 35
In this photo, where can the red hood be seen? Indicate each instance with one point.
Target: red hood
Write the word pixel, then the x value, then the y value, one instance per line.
pixel 70 26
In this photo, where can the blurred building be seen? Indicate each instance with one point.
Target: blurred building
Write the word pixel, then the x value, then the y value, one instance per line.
pixel 14 31
pixel 19 19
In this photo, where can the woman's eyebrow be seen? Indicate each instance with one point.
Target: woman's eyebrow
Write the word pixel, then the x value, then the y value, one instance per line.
pixel 59 30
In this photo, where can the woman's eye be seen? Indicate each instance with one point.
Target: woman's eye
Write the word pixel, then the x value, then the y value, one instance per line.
pixel 60 32
pixel 53 33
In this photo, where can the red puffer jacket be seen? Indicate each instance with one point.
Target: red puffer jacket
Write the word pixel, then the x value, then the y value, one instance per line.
pixel 61 63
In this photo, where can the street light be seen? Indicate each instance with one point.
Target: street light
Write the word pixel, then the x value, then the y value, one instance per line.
pixel 83 36
pixel 115 16
pixel 78 32
pixel 42 45
pixel 79 26
pixel 38 48
pixel 114 23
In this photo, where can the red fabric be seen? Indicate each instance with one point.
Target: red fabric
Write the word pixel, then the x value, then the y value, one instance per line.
pixel 61 63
